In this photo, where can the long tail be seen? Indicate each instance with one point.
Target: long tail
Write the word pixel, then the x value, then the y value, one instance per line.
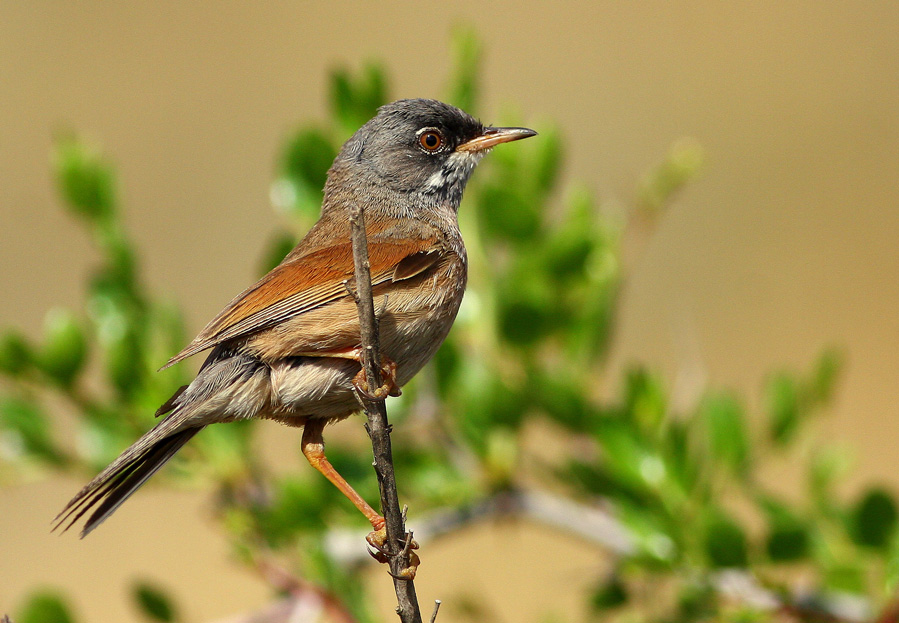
pixel 217 394
pixel 124 476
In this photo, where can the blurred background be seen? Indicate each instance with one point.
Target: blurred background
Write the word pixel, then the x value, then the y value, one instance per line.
pixel 781 245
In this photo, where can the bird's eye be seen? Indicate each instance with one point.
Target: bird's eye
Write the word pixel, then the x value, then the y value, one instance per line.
pixel 430 140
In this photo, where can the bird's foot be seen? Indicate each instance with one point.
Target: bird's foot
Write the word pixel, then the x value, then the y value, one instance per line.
pixel 388 375
pixel 377 539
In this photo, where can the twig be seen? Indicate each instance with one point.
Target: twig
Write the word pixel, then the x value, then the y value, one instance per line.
pixel 378 426
pixel 305 598
pixel 593 523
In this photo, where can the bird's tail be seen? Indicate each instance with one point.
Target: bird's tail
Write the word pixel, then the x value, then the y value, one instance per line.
pixel 115 484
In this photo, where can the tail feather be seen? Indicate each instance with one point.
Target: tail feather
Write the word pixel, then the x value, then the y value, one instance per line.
pixel 121 479
pixel 219 393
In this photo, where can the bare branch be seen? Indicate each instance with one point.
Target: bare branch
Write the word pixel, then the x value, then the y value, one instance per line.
pixel 437 603
pixel 378 426
pixel 592 523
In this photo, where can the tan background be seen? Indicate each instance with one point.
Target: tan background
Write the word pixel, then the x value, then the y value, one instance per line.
pixel 788 242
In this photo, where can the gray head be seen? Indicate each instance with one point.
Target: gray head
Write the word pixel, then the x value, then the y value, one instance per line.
pixel 419 146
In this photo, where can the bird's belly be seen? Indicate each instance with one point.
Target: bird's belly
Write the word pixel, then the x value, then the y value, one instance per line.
pixel 414 321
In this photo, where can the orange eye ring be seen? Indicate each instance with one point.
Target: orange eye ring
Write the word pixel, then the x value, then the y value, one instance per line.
pixel 430 140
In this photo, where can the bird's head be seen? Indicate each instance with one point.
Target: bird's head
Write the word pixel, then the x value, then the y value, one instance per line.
pixel 420 146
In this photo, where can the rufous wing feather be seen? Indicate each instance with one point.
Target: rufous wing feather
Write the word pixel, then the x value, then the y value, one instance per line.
pixel 309 282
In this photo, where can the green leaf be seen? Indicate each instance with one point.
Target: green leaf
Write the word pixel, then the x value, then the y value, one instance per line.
pixel 122 327
pixel 725 542
pixel 45 607
pixel 827 465
pixel 787 542
pixel 427 471
pixel 633 465
pixel 697 601
pixel 124 364
pixel 567 252
pixel 501 457
pixel 791 399
pixel 610 594
pixel 30 429
pixel 561 395
pixel 782 394
pixel 788 537
pixel 548 162
pixel 298 505
pixel 525 303
pixel 825 374
pixel 355 100
pixel 568 248
pixel 64 350
pixel 683 162
pixel 652 535
pixel 154 603
pixel 891 579
pixel 304 169
pixel 226 449
pixel 506 215
pixel 120 269
pixel 725 427
pixel 645 402
pixel 874 519
pixel 85 179
pixel 848 578
pixel 307 157
pixel 15 353
pixel 447 363
pixel 523 320
pixel 484 402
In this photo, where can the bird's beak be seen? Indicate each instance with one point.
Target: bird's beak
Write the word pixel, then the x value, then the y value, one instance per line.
pixel 494 136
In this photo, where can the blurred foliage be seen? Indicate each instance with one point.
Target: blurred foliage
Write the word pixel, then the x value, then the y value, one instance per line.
pixel 45 607
pixel 528 348
pixel 154 603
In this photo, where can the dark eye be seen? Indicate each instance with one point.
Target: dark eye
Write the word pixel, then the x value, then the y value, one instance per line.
pixel 430 140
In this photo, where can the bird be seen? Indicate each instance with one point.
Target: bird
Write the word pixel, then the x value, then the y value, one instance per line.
pixel 288 348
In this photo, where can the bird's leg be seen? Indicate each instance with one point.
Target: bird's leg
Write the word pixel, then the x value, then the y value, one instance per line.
pixel 388 376
pixel 313 446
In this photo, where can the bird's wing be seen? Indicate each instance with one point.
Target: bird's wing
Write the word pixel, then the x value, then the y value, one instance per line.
pixel 310 282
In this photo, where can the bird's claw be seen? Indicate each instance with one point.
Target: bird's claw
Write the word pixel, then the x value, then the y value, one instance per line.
pixel 409 572
pixel 377 539
pixel 389 387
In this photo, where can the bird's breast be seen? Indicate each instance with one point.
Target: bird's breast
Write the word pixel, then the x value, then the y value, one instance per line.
pixel 417 316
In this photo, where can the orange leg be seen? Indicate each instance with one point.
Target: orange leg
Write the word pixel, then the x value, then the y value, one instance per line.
pixel 313 446
pixel 314 450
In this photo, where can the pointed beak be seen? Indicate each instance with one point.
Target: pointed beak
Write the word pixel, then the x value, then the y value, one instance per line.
pixel 494 136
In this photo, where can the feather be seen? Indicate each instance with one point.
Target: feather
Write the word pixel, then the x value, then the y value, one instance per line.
pixel 122 478
pixel 305 283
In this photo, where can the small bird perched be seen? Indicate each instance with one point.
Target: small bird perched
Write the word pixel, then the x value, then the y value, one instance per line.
pixel 288 348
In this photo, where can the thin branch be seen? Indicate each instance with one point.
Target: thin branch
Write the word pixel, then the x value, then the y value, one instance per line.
pixel 378 426
pixel 593 523
pixel 600 527
pixel 305 597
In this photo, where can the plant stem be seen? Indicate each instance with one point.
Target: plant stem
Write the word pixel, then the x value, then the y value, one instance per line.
pixel 378 427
